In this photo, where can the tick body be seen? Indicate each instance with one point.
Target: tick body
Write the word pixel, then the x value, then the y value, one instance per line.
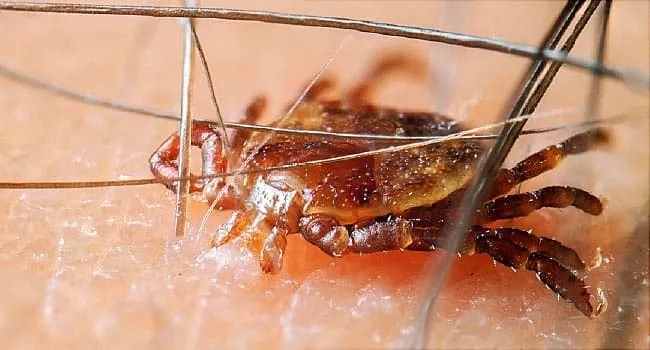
pixel 404 200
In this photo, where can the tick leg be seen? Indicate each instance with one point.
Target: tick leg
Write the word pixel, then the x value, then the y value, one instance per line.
pixel 558 266
pixel 253 113
pixel 326 233
pixel 316 93
pixel 205 135
pixel 360 95
pixel 562 254
pixel 563 282
pixel 268 244
pixel 273 209
pixel 547 159
pixel 273 248
pixel 381 236
pixel 319 88
pixel 234 227
pixel 522 204
pixel 556 276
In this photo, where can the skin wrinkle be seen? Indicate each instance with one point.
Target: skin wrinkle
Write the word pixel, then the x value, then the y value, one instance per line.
pixel 156 283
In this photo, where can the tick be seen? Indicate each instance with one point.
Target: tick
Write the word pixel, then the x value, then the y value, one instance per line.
pixel 402 200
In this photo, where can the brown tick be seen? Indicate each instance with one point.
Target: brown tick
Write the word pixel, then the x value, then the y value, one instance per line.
pixel 400 200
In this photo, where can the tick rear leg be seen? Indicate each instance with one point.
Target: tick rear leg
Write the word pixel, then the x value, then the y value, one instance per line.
pixel 522 204
pixel 557 266
pixel 548 268
pixel 547 159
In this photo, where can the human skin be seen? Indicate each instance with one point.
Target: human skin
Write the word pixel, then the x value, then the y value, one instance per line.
pixel 102 268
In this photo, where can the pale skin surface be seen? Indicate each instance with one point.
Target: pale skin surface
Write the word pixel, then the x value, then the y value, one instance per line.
pixel 101 267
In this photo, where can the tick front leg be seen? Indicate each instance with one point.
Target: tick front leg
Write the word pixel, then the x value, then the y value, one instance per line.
pixel 268 244
pixel 234 227
pixel 205 135
pixel 272 253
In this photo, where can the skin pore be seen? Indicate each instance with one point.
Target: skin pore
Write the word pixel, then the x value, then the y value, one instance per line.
pixel 92 267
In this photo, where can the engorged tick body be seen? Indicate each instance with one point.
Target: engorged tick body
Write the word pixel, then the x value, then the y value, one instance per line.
pixel 403 200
